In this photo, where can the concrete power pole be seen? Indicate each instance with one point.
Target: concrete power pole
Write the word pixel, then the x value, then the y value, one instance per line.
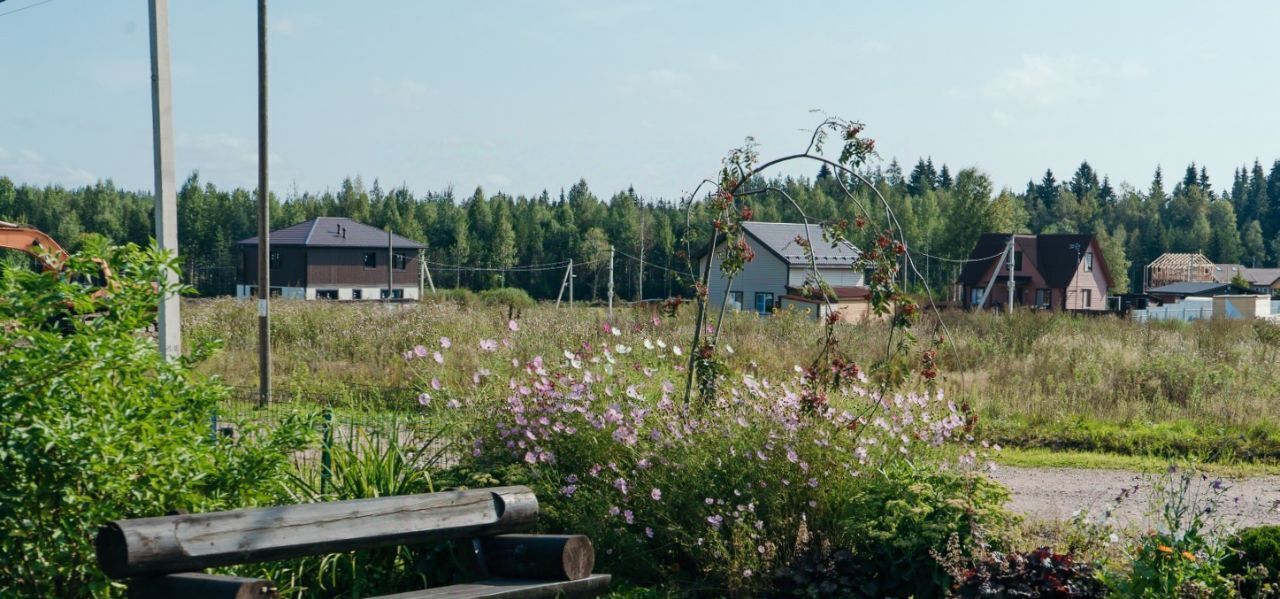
pixel 391 258
pixel 169 325
pixel 610 282
pixel 264 221
pixel 1012 250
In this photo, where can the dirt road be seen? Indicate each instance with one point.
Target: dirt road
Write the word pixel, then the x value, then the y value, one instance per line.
pixel 1056 493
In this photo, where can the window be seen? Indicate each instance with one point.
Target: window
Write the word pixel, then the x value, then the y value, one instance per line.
pixel 1088 262
pixel 975 296
pixel 735 300
pixel 1017 260
pixel 764 302
pixel 327 294
pixel 399 261
pixel 1088 298
pixel 370 260
pixel 1043 299
pixel 357 294
pixel 275 259
pixel 395 294
pixel 275 291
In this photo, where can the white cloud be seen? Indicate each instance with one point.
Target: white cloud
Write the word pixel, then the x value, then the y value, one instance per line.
pixel 405 93
pixel 29 166
pixel 1044 81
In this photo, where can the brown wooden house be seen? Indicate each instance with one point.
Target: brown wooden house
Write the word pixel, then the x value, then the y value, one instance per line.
pixel 1050 272
pixel 333 258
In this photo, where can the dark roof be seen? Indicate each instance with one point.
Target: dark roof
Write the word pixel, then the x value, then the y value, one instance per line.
pixel 330 231
pixel 1262 277
pixel 1056 260
pixel 780 239
pixel 1223 273
pixel 1191 288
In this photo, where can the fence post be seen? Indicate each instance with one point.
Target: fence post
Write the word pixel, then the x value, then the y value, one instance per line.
pixel 326 446
pixel 213 424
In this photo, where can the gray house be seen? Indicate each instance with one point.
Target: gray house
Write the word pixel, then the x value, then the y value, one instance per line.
pixel 780 266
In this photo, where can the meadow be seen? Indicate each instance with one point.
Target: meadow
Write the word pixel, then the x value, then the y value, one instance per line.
pixel 1207 390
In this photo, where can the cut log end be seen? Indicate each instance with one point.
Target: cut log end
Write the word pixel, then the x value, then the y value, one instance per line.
pixel 112 550
pixel 542 557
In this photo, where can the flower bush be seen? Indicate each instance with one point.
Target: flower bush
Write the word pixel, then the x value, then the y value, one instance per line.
pixel 720 493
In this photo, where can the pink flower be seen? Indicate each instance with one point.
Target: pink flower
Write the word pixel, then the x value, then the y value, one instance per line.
pixel 614 511
pixel 629 517
pixel 513 325
pixel 435 384
pixel 488 345
pixel 715 521
pixel 445 343
pixel 621 485
pixel 420 351
pixel 648 532
pixel 424 398
pixel 656 494
pixel 438 357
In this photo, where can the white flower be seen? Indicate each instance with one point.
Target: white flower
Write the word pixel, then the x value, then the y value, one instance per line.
pixel 677 351
pixel 728 348
pixel 648 344
pixel 662 344
pixel 622 349
pixel 616 331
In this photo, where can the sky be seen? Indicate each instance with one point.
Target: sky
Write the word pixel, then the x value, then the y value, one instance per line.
pixel 526 96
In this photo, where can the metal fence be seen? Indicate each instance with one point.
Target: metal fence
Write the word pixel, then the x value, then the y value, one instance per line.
pixel 353 417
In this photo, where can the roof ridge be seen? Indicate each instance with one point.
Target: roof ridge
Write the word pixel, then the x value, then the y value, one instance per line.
pixel 307 240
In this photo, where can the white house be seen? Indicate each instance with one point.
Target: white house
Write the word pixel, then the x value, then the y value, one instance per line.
pixel 780 267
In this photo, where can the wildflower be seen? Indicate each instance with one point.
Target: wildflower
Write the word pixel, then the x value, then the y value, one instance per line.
pixel 1114 538
pixel 621 485
pixel 424 398
pixel 408 355
pixel 677 351
pixel 513 325
pixel 1190 556
pixel 616 331
pixel 568 490
pixel 438 357
pixel 445 343
pixel 1165 549
pixel 435 384
pixel 746 573
pixel 760 549
pixel 648 344
pixel 728 348
pixel 488 345
pixel 629 517
pixel 419 351
pixel 614 511
pixel 656 494
pixel 792 456
pixel 622 349
pixel 715 521
pixel 453 404
pixel 709 501
pixel 813 482
pixel 648 532
pixel 662 344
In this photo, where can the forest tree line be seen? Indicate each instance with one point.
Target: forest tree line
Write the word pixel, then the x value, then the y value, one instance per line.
pixel 941 215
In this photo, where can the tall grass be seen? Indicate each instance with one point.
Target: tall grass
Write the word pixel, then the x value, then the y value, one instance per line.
pixel 1037 379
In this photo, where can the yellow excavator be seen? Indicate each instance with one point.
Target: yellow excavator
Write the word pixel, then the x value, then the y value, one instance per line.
pixel 46 251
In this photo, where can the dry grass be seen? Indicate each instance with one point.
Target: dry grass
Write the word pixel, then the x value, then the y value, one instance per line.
pixel 1037 379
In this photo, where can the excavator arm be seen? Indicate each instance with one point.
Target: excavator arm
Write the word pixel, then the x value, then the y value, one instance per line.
pixel 34 242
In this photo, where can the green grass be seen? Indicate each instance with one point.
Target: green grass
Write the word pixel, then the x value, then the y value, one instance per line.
pixel 1048 458
pixel 1206 390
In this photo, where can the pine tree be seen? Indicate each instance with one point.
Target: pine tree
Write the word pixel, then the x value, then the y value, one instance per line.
pixel 944 178
pixel 1254 245
pixel 1224 245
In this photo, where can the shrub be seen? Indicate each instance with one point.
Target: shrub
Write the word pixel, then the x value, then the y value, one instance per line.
pixel 1039 573
pixel 897 521
pixel 460 295
pixel 95 425
pixel 1254 561
pixel 511 297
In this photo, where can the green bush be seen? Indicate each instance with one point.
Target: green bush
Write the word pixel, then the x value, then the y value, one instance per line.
pixel 95 425
pixel 511 297
pixel 460 295
pixel 898 522
pixel 1254 560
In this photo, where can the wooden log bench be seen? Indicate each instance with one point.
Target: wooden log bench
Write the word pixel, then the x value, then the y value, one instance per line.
pixel 164 556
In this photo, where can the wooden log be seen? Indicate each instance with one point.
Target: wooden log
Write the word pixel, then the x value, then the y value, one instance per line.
pixel 539 557
pixel 200 586
pixel 505 588
pixel 171 544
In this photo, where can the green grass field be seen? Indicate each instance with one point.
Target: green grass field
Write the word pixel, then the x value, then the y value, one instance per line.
pixel 1049 384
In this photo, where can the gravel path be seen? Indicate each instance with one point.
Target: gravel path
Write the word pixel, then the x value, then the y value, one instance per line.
pixel 1056 493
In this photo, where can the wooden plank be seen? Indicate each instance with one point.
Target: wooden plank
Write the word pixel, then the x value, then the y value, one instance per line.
pixel 200 586
pixel 189 542
pixel 540 557
pixel 591 586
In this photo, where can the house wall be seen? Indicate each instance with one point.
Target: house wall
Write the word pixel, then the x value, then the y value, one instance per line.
pixel 836 277
pixel 291 272
pixel 767 273
pixel 1094 281
pixel 1024 292
pixel 344 267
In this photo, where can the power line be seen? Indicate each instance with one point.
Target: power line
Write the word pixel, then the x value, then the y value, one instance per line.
pixel 650 264
pixel 16 10
pixel 939 258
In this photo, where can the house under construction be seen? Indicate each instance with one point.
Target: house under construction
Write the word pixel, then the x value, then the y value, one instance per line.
pixel 1177 268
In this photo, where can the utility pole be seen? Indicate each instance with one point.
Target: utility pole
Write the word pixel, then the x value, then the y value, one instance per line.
pixel 391 258
pixel 169 324
pixel 564 282
pixel 640 285
pixel 611 282
pixel 572 276
pixel 1012 250
pixel 264 222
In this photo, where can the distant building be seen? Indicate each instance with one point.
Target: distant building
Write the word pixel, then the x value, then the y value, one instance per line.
pixel 1195 268
pixel 1176 292
pixel 778 271
pixel 333 258
pixel 1050 272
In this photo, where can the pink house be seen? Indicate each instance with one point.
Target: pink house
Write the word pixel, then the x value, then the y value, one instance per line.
pixel 1050 272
